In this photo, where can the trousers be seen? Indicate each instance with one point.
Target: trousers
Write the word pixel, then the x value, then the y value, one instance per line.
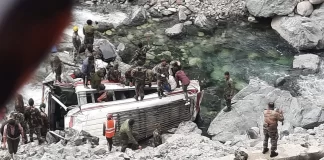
pixel 110 143
pixel 13 145
pixel 273 135
pixel 139 89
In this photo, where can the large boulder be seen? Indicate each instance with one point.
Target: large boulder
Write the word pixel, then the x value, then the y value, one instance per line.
pixel 301 32
pixel 175 30
pixel 307 61
pixel 203 22
pixel 316 1
pixel 304 8
pixel 269 8
pixel 249 104
pixel 137 16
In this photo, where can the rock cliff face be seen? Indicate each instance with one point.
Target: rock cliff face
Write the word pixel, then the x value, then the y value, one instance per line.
pixel 269 8
pixel 248 106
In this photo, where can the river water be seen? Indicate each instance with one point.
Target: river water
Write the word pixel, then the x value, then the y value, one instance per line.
pixel 245 50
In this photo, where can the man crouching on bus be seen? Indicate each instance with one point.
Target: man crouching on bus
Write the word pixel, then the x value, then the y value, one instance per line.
pixel 95 81
pixel 109 130
pixel 127 136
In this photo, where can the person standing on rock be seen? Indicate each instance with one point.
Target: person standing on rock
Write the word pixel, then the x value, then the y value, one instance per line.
pixel 270 130
pixel 87 69
pixel 44 118
pixel 56 65
pixel 33 118
pixel 109 130
pixel 76 40
pixel 20 109
pixel 180 75
pixel 228 91
pixel 114 75
pixel 11 135
pixel 88 31
pixel 127 135
pixel 140 53
pixel 162 77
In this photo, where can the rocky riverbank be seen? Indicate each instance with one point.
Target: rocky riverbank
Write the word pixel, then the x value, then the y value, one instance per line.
pixel 186 143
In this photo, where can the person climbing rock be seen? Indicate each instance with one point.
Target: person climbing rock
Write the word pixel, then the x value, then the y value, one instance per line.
pixel 228 91
pixel 114 75
pixel 109 130
pixel 270 130
pixel 11 135
pixel 127 136
pixel 44 118
pixel 139 74
pixel 162 77
pixel 87 69
pixel 181 76
pixel 76 40
pixel 56 65
pixel 140 53
pixel 33 118
pixel 88 31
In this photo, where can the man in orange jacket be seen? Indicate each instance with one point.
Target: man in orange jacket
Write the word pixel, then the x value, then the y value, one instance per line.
pixel 109 130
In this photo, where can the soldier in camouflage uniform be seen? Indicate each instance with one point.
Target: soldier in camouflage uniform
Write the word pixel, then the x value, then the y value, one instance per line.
pixel 20 109
pixel 33 118
pixel 149 77
pixel 88 31
pixel 114 75
pixel 140 54
pixel 157 139
pixel 139 74
pixel 162 77
pixel 44 118
pixel 228 91
pixel 56 65
pixel 129 80
pixel 271 118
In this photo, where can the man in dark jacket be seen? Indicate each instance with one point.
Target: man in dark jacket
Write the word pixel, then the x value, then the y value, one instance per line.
pixel 56 65
pixel 127 135
pixel 33 118
pixel 87 69
pixel 181 76
pixel 44 118
pixel 20 109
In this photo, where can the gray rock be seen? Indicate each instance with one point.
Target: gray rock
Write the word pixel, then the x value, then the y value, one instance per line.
pixel 298 111
pixel 280 81
pixel 304 8
pixel 172 10
pixel 175 30
pixel 252 19
pixel 100 150
pixel 182 14
pixel 285 129
pixel 155 13
pixel 316 1
pixel 188 127
pixel 202 22
pixel 241 155
pixel 299 130
pixel 166 12
pixel 301 32
pixel 269 8
pixel 311 132
pixel 50 138
pixel 307 61
pixel 137 16
pixel 187 23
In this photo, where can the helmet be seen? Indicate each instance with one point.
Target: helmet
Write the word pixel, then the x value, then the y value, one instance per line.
pixel 43 105
pixel 75 28
pixel 31 102
pixel 109 115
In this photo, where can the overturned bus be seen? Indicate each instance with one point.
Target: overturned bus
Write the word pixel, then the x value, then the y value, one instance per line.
pixel 72 105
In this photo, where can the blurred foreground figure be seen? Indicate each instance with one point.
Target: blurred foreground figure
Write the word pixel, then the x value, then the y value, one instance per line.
pixel 37 17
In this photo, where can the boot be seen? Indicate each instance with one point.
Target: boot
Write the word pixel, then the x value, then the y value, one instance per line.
pixel 142 98
pixel 159 94
pixel 227 109
pixel 136 98
pixel 273 154
pixel 265 150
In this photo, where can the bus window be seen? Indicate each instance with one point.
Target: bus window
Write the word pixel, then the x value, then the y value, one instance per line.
pixel 89 98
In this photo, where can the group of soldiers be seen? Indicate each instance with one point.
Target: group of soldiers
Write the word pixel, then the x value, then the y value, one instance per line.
pixel 25 120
